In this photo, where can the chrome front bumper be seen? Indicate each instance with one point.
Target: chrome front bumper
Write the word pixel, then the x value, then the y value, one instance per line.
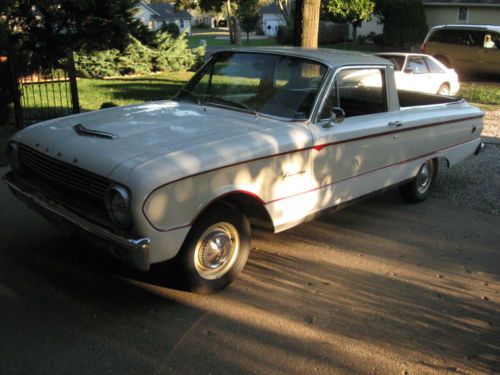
pixel 134 251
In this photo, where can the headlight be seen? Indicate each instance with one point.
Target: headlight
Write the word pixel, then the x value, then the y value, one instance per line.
pixel 13 155
pixel 118 205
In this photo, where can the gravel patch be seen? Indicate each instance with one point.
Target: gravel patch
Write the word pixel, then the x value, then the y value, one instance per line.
pixel 491 131
pixel 473 183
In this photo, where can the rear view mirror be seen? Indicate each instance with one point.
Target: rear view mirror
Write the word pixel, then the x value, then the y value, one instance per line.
pixel 337 116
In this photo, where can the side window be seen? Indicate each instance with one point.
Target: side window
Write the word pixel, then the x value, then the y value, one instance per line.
pixel 456 36
pixel 433 66
pixel 358 92
pixel 416 65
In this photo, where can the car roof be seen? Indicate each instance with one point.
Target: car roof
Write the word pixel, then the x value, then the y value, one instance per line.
pixel 476 27
pixel 331 57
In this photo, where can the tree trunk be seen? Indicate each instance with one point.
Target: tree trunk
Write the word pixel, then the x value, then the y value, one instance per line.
pixel 236 31
pixel 229 22
pixel 354 34
pixel 306 23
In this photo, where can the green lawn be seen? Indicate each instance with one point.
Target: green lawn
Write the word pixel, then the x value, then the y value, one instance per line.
pixel 485 96
pixel 124 91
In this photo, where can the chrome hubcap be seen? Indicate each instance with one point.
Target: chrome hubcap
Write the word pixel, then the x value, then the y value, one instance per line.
pixel 216 250
pixel 424 177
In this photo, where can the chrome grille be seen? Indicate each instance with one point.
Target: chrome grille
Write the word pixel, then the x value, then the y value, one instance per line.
pixel 71 186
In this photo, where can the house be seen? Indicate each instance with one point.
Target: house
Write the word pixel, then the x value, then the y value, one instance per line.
pixel 440 12
pixel 157 15
pixel 271 19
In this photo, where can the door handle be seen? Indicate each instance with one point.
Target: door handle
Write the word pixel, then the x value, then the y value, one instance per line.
pixel 397 124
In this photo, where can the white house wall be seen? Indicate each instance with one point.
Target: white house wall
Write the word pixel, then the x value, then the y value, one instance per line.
pixel 271 22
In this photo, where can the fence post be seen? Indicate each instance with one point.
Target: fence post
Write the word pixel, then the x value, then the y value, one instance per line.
pixel 72 83
pixel 16 95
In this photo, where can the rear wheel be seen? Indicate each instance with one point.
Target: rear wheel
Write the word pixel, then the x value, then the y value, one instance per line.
pixel 420 187
pixel 444 89
pixel 216 249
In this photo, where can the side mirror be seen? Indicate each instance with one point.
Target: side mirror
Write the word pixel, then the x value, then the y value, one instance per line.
pixel 337 116
pixel 408 70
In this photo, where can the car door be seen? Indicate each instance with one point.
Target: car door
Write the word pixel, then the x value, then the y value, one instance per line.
pixel 352 158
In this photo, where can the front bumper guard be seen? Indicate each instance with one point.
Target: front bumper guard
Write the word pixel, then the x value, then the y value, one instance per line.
pixel 134 251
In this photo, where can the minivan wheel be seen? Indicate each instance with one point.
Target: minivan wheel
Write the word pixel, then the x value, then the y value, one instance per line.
pixel 420 187
pixel 444 89
pixel 215 251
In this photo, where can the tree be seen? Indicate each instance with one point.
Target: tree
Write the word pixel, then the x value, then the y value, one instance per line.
pixel 404 21
pixel 352 11
pixel 305 32
pixel 50 29
pixel 247 12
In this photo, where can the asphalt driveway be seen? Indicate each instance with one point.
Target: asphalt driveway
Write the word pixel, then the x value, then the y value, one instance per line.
pixel 381 287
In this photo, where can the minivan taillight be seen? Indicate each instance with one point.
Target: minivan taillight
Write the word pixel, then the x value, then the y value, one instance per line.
pixel 422 47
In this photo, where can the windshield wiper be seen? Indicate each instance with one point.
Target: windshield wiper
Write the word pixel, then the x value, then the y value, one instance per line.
pixel 213 98
pixel 191 94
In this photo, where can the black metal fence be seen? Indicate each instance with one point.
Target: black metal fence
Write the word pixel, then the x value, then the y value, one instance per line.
pixel 44 93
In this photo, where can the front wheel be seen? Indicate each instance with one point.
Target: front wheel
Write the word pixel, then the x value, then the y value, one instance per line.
pixel 420 187
pixel 216 249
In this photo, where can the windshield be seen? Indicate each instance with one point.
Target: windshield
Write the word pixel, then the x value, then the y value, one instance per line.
pixel 269 84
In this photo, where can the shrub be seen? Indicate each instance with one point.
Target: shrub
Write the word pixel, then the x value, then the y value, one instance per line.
pixel 284 36
pixel 135 59
pixel 170 54
pixel 330 32
pixel 171 28
pixel 173 54
pixel 97 64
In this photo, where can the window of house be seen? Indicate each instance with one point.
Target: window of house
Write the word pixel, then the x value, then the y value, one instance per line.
pixel 462 13
pixel 181 24
pixel 358 92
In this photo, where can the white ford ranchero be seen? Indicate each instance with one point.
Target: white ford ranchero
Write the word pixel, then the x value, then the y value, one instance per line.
pixel 267 135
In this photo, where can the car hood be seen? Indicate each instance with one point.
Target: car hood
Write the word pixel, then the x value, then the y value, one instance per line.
pixel 148 134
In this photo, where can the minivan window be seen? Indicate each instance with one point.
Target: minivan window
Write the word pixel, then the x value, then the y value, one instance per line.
pixel 453 36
